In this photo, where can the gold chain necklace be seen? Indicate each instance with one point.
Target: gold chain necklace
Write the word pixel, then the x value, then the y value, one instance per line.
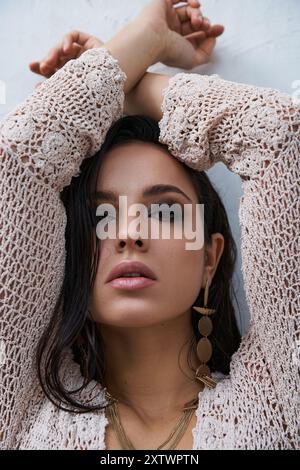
pixel 175 435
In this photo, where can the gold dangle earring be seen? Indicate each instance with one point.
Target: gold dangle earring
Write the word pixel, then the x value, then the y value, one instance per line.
pixel 204 346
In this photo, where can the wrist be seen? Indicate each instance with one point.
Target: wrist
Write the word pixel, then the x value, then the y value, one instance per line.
pixel 152 39
pixel 136 46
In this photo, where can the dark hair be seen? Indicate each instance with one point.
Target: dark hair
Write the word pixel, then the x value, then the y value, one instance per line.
pixel 70 326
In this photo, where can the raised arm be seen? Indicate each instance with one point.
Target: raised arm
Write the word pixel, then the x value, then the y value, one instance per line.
pixel 255 132
pixel 42 145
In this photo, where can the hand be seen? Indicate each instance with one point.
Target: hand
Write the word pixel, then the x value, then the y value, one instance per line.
pixel 71 47
pixel 187 38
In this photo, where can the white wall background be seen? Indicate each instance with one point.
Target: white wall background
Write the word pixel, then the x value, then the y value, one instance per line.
pixel 260 46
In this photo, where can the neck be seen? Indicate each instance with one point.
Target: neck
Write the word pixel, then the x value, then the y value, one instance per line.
pixel 147 367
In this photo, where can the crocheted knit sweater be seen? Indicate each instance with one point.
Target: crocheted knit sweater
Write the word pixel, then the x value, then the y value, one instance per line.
pixel 255 132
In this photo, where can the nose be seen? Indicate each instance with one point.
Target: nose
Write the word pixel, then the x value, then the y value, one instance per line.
pixel 131 240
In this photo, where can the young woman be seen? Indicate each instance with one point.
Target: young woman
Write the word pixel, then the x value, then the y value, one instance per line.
pixel 91 361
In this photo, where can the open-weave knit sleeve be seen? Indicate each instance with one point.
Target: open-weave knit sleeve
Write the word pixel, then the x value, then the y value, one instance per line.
pixel 42 145
pixel 255 132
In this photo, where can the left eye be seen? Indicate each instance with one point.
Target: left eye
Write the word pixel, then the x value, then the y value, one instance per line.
pixel 164 214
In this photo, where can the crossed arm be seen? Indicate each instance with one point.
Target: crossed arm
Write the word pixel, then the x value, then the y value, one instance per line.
pixel 180 37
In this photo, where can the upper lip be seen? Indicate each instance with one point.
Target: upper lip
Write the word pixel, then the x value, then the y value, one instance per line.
pixel 127 267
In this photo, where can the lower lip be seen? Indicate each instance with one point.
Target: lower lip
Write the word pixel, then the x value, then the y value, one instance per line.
pixel 130 283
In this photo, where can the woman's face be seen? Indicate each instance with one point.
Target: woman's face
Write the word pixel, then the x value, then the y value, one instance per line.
pixel 128 170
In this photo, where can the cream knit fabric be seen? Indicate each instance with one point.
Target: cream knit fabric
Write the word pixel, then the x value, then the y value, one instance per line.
pixel 255 132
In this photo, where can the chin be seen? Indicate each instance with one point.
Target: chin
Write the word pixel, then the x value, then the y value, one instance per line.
pixel 129 318
pixel 130 321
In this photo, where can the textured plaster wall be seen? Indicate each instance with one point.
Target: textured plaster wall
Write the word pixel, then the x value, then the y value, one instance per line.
pixel 261 46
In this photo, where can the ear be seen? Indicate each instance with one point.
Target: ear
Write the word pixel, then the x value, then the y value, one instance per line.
pixel 213 253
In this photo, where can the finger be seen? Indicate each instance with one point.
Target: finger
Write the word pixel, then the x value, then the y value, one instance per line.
pixel 199 35
pixel 215 31
pixel 205 50
pixel 47 73
pixel 193 14
pixel 74 36
pixel 76 50
pixel 48 64
pixel 188 28
pixel 46 69
pixel 206 23
pixel 195 21
pixel 56 58
pixel 52 57
pixel 35 67
pixel 194 3
pixel 186 12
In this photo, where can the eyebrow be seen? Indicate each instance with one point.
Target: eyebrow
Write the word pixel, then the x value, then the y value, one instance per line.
pixel 155 190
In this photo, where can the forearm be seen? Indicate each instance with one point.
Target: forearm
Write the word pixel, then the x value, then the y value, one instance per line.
pixel 136 47
pixel 42 145
pixel 147 96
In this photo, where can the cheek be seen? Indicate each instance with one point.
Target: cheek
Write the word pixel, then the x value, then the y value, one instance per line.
pixel 182 273
pixel 106 253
